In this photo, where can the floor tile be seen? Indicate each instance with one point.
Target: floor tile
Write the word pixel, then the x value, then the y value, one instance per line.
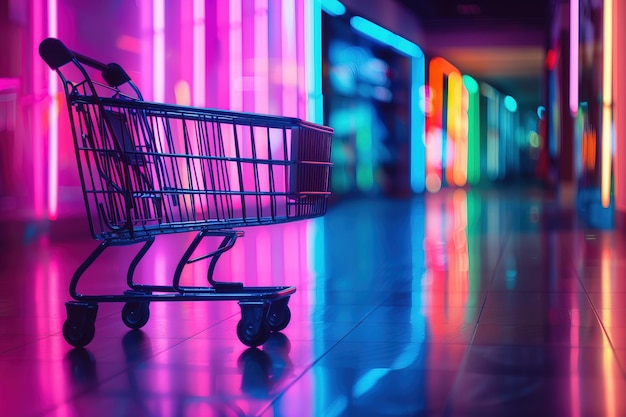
pixel 408 307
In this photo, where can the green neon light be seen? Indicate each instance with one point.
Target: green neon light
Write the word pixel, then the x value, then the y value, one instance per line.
pixel 473 130
pixel 471 84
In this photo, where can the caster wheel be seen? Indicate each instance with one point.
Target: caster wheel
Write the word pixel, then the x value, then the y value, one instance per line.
pixel 135 314
pixel 278 320
pixel 78 334
pixel 249 337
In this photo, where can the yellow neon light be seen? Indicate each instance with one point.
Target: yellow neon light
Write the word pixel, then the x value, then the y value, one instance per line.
pixel 607 100
pixel 454 114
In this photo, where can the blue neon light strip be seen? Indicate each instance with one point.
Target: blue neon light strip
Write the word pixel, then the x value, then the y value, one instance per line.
pixel 418 80
pixel 333 7
pixel 313 48
pixel 380 34
pixel 418 125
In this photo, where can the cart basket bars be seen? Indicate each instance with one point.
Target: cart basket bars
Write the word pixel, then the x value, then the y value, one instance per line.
pixel 152 168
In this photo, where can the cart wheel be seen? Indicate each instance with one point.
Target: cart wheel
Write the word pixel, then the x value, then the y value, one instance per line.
pixel 249 337
pixel 135 314
pixel 278 320
pixel 79 328
pixel 78 334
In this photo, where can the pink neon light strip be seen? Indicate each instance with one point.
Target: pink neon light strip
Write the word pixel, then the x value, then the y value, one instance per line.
pixel 199 54
pixel 275 75
pixel 158 50
pixel 53 124
pixel 222 72
pixel 235 40
pixel 261 56
pixel 246 83
pixel 145 80
pixel 301 60
pixel 289 59
pixel 38 145
pixel 573 57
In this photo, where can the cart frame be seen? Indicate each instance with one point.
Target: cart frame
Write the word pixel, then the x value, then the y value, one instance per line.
pixel 148 169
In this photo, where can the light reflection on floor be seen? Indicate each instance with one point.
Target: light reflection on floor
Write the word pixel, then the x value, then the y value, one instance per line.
pixel 455 304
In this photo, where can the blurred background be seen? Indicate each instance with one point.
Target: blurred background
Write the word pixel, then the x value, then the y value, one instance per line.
pixel 423 95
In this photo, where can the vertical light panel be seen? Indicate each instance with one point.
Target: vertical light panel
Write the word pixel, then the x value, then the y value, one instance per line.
pixel 246 83
pixel 37 127
pixel 473 130
pixel 415 54
pixel 183 69
pixel 457 129
pixel 451 140
pixel 275 62
pixel 289 58
pixel 261 56
pixel 574 12
pixel 418 127
pixel 313 48
pixel 607 102
pixel 619 109
pixel 261 83
pixel 301 92
pixel 493 113
pixel 235 40
pixel 199 54
pixel 221 57
pixel 147 37
pixel 158 50
pixel 439 155
pixel 53 123
pixel 434 122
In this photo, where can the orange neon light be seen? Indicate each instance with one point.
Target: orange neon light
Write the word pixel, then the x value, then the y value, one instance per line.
pixel 453 159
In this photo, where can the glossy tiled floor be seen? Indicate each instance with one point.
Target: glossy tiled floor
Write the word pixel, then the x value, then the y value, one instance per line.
pixel 493 303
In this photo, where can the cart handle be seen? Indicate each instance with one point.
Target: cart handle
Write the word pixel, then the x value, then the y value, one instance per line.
pixel 56 54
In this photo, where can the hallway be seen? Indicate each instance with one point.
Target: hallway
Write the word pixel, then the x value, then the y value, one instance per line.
pixel 461 303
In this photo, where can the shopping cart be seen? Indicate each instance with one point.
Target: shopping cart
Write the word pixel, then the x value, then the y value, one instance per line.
pixel 149 169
